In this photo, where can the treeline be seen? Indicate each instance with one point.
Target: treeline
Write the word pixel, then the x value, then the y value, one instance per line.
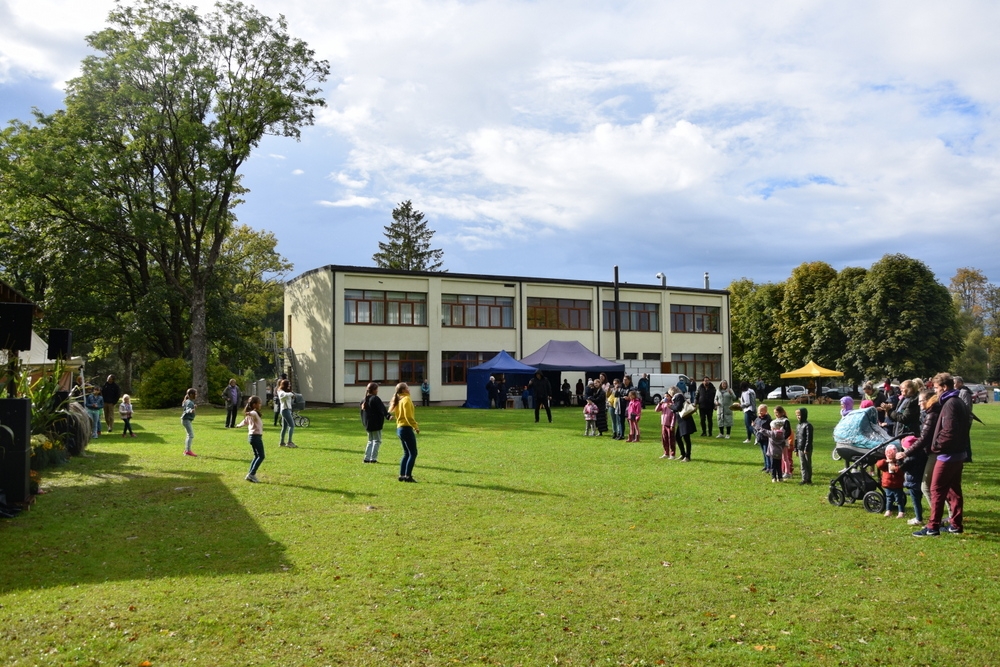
pixel 893 319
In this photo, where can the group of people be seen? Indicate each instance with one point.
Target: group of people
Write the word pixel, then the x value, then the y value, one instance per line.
pixel 102 404
pixel 779 442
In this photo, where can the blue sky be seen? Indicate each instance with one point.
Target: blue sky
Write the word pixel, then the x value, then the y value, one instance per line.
pixel 557 139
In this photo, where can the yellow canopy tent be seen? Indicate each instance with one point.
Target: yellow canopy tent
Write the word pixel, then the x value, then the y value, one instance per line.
pixel 812 370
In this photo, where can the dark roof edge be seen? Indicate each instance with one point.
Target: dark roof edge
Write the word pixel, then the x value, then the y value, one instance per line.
pixel 482 276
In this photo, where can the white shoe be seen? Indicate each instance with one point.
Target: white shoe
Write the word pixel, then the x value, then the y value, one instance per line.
pixel 899 516
pixel 914 522
pixel 252 478
pixel 664 457
pixel 719 436
pixel 746 442
pixel 888 513
pixel 727 436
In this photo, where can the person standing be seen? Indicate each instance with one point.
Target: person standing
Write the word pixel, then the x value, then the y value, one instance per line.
pixel 724 400
pixel 188 407
pixel 643 387
pixel 501 393
pixel 541 390
pixel 95 406
pixel 125 411
pixel 232 395
pixel 685 424
pixel 705 400
pixel 748 404
pixel 425 393
pixel 374 413
pixel 286 398
pixel 804 444
pixel 951 446
pixel 255 435
pixel 491 393
pixel 111 392
pixel 406 428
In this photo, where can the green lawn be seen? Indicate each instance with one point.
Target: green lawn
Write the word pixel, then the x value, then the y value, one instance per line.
pixel 522 544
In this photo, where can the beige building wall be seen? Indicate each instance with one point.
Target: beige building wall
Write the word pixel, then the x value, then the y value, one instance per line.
pixel 314 322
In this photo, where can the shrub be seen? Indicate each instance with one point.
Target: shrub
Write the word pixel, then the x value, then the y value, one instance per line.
pixel 164 384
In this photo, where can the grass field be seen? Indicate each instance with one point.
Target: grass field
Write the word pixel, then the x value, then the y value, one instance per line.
pixel 523 544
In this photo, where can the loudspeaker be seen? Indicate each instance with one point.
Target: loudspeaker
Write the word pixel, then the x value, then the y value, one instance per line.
pixel 60 343
pixel 15 326
pixel 15 456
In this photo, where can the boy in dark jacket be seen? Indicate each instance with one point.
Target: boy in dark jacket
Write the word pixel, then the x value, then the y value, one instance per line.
pixel 804 444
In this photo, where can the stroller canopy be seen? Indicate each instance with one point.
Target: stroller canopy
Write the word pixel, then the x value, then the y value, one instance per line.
pixel 860 428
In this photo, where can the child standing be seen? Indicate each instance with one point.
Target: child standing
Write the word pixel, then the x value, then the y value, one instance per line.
pixel 125 412
pixel 255 434
pixel 804 444
pixel 374 414
pixel 187 416
pixel 892 482
pixel 666 427
pixel 634 414
pixel 786 454
pixel 407 427
pixel 761 426
pixel 913 463
pixel 95 408
pixel 590 416
pixel 777 439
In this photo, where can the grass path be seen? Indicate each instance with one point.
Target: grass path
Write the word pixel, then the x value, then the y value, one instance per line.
pixel 523 544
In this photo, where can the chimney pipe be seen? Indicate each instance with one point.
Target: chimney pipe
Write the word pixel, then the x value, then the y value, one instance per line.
pixel 706 280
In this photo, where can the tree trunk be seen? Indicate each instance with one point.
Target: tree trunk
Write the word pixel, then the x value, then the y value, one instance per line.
pixel 199 344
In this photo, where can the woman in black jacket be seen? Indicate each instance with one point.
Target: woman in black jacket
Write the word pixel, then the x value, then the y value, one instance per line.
pixel 373 414
pixel 685 425
pixel 906 414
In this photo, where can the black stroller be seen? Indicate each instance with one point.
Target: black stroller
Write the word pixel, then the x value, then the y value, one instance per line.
pixel 860 442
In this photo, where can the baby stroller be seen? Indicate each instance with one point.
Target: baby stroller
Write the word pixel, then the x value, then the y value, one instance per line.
pixel 299 403
pixel 860 441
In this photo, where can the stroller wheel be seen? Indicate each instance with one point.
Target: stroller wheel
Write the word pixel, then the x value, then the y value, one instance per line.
pixel 835 455
pixel 874 502
pixel 836 496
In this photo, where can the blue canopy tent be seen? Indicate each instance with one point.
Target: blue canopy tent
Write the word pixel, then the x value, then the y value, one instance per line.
pixel 477 377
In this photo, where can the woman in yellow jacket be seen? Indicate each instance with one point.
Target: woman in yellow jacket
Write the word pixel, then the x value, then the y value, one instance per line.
pixel 406 428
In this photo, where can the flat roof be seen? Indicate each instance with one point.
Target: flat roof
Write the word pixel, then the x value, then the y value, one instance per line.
pixel 374 270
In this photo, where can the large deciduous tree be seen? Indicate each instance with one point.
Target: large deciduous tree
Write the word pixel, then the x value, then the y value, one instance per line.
pixel 801 310
pixel 408 244
pixel 753 311
pixel 905 322
pixel 156 129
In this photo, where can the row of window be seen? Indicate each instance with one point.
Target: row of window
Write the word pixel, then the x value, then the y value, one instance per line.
pixel 362 367
pixel 496 312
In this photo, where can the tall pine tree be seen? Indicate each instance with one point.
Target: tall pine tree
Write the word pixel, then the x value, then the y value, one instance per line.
pixel 408 245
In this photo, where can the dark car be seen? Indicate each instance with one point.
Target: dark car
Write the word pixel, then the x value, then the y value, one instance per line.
pixel 979 393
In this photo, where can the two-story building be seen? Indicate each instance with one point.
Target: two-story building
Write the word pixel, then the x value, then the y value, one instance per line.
pixel 350 325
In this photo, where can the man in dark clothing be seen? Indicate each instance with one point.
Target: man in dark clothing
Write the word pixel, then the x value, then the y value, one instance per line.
pixel 110 392
pixel 705 400
pixel 951 447
pixel 643 387
pixel 541 390
pixel 491 393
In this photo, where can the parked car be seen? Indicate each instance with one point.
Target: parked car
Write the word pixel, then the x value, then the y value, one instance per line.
pixel 660 382
pixel 791 391
pixel 979 393
pixel 838 392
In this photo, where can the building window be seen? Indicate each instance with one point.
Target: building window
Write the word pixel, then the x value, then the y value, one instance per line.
pixel 694 319
pixel 362 367
pixel 558 313
pixel 634 316
pixel 697 366
pixel 651 356
pixel 378 307
pixel 488 312
pixel 455 365
pixel 630 356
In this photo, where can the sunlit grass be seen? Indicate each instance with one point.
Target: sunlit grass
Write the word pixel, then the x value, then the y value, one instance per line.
pixel 522 543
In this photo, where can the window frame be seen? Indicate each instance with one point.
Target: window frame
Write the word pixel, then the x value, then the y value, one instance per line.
pixel 632 315
pixel 695 319
pixel 410 366
pixel 454 361
pixel 700 365
pixel 558 314
pixel 386 305
pixel 496 311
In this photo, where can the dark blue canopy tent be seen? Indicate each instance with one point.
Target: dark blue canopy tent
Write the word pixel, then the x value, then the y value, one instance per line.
pixel 477 377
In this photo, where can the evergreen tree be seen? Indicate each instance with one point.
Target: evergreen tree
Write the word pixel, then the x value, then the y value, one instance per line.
pixel 408 245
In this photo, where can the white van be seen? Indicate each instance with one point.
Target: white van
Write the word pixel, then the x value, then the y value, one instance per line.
pixel 660 382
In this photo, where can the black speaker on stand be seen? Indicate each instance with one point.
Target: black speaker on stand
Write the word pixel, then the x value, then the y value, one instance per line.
pixel 60 344
pixel 15 326
pixel 15 451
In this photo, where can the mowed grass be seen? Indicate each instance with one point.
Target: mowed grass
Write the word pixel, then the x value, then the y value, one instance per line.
pixel 522 544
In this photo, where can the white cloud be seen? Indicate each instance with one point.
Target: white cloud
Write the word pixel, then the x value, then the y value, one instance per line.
pixel 297 172
pixel 351 201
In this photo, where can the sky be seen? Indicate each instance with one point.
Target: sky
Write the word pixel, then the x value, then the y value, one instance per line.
pixel 555 138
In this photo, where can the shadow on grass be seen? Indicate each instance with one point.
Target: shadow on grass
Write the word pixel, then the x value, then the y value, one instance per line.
pixel 338 492
pixel 123 525
pixel 509 489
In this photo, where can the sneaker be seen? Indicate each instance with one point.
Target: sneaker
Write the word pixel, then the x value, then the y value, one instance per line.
pixel 927 532
pixel 252 478
pixel 914 522
pixel 773 480
pixel 189 453
pixel 366 461
pixel 953 529
pixel 373 461
pixel 664 457
pixel 727 436
pixel 132 434
pixel 900 515
pixel 888 513
pixel 719 436
pixel 409 479
pixel 291 445
pixel 281 444
pixel 747 441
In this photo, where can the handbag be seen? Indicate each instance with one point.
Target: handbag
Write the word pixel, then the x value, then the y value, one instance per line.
pixel 688 409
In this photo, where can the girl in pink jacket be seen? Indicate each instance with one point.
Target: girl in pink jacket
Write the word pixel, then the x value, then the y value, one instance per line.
pixel 633 413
